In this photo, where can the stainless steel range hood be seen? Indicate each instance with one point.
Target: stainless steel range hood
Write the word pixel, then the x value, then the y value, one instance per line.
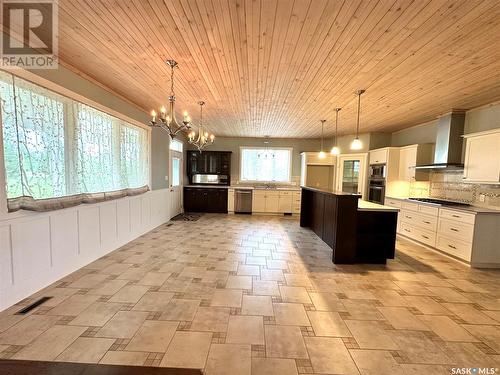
pixel 448 150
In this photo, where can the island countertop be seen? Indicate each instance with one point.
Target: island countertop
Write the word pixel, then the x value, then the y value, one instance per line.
pixel 370 206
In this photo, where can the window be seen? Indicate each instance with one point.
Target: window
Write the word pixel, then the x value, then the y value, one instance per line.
pixel 56 147
pixel 176 171
pixel 265 164
pixel 176 145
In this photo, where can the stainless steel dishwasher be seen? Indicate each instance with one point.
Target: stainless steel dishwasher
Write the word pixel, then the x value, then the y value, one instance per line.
pixel 242 201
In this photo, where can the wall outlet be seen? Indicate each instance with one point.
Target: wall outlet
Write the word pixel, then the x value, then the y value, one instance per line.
pixel 482 197
pixel 166 178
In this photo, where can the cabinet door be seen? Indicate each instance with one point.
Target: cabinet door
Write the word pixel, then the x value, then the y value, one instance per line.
pixel 230 200
pixel 225 163
pixel 272 202
pixel 193 162
pixel 407 159
pixel 378 156
pixel 258 202
pixel 212 162
pixel 189 199
pixel 482 158
pixel 285 203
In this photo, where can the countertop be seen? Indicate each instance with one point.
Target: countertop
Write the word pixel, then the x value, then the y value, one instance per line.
pixel 328 191
pixel 470 209
pixel 370 206
pixel 243 187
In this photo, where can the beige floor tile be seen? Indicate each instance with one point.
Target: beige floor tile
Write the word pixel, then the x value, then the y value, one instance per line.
pixel 465 353
pixel 290 314
pixel 412 369
pixel 327 302
pixel 180 309
pixel 229 359
pixel 418 348
pixel 362 310
pixel 284 342
pixel 73 305
pixel 323 360
pixel 359 294
pixel 271 275
pixel 273 366
pixel 123 325
pixel 495 315
pixel 449 295
pixel 27 330
pixel 255 261
pixel 239 282
pixel 248 270
pixel 96 314
pixel 490 335
pixel 124 358
pixel 154 279
pixel 154 301
pixel 88 281
pixel 153 336
pixel 51 343
pixel 371 335
pixel 294 294
pixel 257 305
pixel 293 279
pixel 390 298
pixel 446 328
pixel 265 288
pixel 227 298
pixel 469 314
pixel 86 350
pixel 426 305
pixel 129 294
pixel 402 318
pixel 108 288
pixel 327 323
pixel 213 319
pixel 274 264
pixel 188 350
pixel 245 330
pixel 375 362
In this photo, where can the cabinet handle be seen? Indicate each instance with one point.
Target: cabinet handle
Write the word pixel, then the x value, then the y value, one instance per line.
pixel 426 222
pixel 453 247
pixel 425 237
pixel 454 229
pixel 456 216
pixel 408 217
pixel 407 230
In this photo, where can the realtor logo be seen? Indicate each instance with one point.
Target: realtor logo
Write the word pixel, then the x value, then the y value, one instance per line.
pixel 29 38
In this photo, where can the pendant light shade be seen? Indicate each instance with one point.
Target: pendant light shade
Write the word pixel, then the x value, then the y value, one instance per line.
pixel 356 143
pixel 322 153
pixel 335 149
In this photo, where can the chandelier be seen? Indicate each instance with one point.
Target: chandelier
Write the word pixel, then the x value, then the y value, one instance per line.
pixel 166 120
pixel 203 139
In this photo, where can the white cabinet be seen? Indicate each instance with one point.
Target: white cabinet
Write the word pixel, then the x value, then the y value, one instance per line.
pixel 259 201
pixel 482 157
pixel 230 200
pixel 409 157
pixel 378 156
pixel 273 202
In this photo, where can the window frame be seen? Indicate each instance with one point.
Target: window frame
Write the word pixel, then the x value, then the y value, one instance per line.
pixel 176 141
pixel 290 167
pixel 73 96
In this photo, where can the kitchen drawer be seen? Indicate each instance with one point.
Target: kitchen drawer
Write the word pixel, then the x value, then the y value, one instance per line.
pixel 285 193
pixel 428 210
pixel 456 229
pixel 409 206
pixel 296 209
pixel 272 193
pixel 460 249
pixel 463 217
pixel 419 220
pixel 259 193
pixel 393 202
pixel 425 236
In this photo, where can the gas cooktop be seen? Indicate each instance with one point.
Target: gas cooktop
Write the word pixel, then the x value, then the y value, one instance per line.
pixel 439 201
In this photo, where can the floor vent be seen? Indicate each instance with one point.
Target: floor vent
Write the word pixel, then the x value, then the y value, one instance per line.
pixel 34 305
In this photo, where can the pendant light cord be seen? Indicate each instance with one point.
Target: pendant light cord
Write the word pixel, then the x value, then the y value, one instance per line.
pixel 359 105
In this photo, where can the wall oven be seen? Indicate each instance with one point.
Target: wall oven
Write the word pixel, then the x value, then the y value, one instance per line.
pixel 376 191
pixel 377 171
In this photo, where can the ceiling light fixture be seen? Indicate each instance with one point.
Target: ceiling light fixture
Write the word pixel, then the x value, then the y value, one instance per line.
pixel 335 150
pixel 167 121
pixel 322 154
pixel 203 138
pixel 356 143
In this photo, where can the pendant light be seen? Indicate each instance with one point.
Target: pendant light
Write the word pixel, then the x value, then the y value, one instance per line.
pixel 356 143
pixel 322 154
pixel 335 150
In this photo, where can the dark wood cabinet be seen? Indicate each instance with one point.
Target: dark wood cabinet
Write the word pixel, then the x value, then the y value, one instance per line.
pixel 209 162
pixel 200 199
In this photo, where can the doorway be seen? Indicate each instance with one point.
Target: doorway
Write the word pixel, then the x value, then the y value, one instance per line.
pixel 352 174
pixel 176 178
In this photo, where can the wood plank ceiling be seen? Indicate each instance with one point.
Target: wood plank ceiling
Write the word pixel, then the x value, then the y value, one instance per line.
pixel 276 67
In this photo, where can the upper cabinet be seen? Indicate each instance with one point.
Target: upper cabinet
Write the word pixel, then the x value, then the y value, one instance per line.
pixel 379 156
pixel 208 162
pixel 409 157
pixel 482 157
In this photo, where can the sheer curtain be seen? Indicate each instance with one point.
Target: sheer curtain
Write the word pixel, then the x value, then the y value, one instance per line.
pixel 59 152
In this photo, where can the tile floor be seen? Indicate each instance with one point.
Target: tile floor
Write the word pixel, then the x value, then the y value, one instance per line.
pixel 259 295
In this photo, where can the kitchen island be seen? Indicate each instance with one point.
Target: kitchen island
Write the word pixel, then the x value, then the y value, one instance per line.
pixel 358 231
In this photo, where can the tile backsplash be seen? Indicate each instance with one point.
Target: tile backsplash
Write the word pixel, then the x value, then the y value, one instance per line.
pixel 449 185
